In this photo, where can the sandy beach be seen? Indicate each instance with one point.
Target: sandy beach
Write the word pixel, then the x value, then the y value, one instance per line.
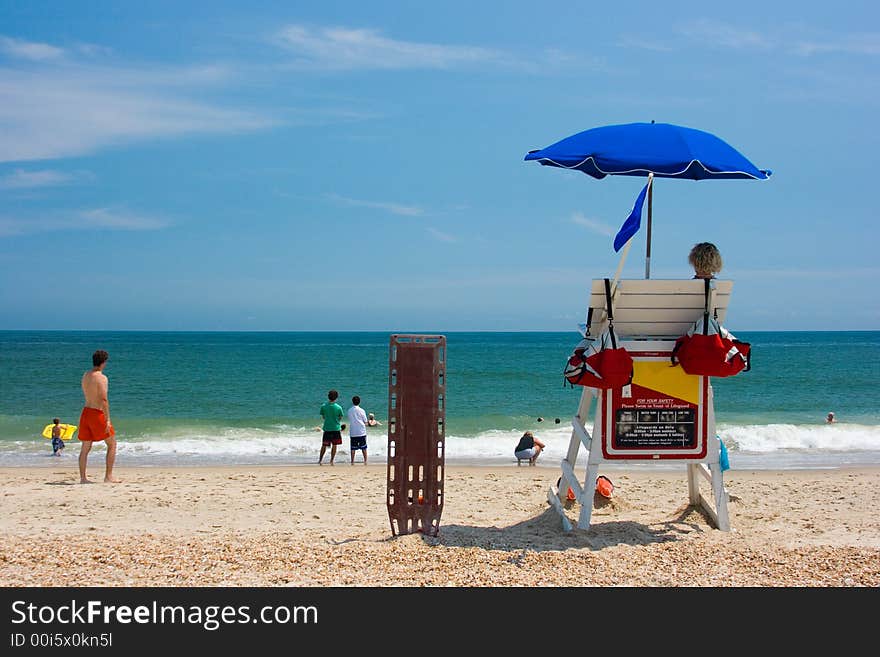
pixel 328 526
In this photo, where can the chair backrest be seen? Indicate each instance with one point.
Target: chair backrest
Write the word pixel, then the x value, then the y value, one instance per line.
pixel 656 308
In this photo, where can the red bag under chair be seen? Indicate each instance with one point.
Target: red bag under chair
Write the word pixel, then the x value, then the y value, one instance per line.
pixel 598 362
pixel 709 349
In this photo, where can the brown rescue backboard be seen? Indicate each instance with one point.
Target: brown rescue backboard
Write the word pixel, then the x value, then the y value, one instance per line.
pixel 416 432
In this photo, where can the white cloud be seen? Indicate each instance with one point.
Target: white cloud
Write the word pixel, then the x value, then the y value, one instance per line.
pixel 345 48
pixel 92 49
pixel 595 226
pixel 440 236
pixel 716 33
pixel 52 114
pixel 29 50
pixel 630 41
pixel 791 39
pixel 388 206
pixel 853 44
pixel 858 273
pixel 53 106
pixel 94 219
pixel 21 179
pixel 119 220
pixel 797 40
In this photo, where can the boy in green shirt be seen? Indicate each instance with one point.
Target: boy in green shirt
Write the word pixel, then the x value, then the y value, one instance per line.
pixel 332 414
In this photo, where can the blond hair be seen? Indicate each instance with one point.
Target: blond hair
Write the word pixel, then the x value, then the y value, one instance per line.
pixel 705 259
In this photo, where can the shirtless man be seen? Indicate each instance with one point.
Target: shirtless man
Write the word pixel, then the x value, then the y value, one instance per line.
pixel 94 422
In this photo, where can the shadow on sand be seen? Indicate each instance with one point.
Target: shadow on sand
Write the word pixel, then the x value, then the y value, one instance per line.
pixel 544 532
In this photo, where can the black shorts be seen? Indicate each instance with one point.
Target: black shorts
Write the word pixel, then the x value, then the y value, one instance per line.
pixel 358 442
pixel 332 438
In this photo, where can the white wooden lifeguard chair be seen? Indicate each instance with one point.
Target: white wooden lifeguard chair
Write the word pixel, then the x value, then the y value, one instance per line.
pixel 665 414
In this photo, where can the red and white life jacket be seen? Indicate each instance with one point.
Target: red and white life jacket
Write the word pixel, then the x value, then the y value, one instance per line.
pixel 709 349
pixel 598 362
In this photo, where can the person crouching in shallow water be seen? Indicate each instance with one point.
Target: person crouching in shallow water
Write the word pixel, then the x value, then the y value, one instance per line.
pixel 829 419
pixel 528 448
pixel 705 259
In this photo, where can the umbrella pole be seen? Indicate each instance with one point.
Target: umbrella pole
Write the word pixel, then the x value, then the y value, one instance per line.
pixel 650 207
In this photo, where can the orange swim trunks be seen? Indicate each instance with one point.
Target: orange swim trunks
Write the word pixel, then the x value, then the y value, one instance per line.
pixel 93 425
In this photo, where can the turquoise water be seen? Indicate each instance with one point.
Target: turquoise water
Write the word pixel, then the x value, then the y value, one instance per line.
pixel 182 397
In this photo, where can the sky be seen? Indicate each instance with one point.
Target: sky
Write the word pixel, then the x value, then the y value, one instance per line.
pixel 358 166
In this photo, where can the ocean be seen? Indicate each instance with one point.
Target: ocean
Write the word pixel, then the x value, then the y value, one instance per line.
pixel 248 398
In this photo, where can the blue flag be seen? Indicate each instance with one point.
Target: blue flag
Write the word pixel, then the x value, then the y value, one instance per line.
pixel 633 221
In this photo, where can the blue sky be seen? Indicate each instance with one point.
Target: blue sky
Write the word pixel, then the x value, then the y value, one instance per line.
pixel 359 165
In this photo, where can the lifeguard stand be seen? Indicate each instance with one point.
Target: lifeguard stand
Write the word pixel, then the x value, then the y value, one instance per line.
pixel 665 414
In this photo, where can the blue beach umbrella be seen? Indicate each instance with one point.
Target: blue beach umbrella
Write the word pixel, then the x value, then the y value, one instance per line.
pixel 649 150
